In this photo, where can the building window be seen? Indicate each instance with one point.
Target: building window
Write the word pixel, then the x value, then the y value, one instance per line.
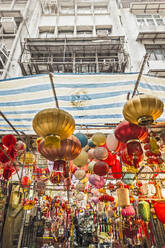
pixel 156 52
pixel 84 10
pixel 100 9
pixel 65 33
pixel 149 20
pixel 46 32
pixel 84 33
pixel 67 10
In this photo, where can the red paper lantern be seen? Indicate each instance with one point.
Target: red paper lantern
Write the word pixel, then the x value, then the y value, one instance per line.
pixel 106 198
pixel 127 131
pixel 101 168
pixel 160 211
pixel 9 140
pixel 7 172
pixel 134 148
pixel 26 182
pixel 116 169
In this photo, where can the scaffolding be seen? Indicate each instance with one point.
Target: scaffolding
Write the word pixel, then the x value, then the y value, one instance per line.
pixel 73 55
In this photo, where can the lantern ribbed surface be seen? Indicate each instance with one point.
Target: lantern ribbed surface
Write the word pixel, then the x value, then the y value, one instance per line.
pixel 143 109
pixel 54 122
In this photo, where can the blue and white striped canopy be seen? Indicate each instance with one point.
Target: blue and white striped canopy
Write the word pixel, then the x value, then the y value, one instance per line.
pixel 93 99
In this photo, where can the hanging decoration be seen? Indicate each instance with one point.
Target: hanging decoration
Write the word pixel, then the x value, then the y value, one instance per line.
pixel 69 149
pixel 53 125
pixel 143 110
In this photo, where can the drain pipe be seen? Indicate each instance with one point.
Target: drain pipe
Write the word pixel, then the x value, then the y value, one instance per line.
pixel 4 75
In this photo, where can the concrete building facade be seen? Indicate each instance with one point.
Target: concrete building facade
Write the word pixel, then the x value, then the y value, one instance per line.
pixel 81 36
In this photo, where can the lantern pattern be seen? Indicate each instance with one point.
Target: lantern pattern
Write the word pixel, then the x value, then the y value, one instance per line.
pixel 143 110
pixel 123 197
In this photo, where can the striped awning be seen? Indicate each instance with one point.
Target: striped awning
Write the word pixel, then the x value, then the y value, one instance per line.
pixel 93 99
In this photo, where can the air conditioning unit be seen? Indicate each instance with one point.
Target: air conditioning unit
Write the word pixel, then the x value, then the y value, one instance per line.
pixel 9 25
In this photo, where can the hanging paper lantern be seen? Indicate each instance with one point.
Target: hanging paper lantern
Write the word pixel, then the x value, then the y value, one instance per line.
pixel 91 153
pixel 79 174
pixel 160 211
pixel 99 139
pixel 80 187
pixel 91 166
pixel 82 138
pixel 15 199
pixel 84 180
pixel 123 197
pixel 91 144
pixel 82 159
pixel 145 173
pixel 126 131
pixel 128 211
pixel 20 146
pixel 112 143
pixel 56 177
pixel 26 182
pixel 9 140
pixel 134 148
pixel 148 189
pixel 69 149
pixel 100 168
pixel 100 153
pixel 28 159
pixel 97 181
pixel 129 179
pixel 54 125
pixel 144 210
pixel 116 169
pixel 106 198
pixel 143 110
pixel 80 196
pixel 7 172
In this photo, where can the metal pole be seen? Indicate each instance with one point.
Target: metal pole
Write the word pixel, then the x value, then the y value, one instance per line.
pixel 140 74
pixel 4 117
pixel 53 88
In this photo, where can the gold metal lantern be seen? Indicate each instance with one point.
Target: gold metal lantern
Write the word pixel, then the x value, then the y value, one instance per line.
pixel 53 122
pixel 143 110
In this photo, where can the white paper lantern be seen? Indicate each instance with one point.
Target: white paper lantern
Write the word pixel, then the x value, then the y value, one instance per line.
pixel 80 174
pixel 80 187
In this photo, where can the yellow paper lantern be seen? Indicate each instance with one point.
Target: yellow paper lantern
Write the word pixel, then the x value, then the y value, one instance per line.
pixel 143 110
pixel 82 159
pixel 55 122
pixel 28 159
pixel 99 139
pixel 85 180
pixel 123 197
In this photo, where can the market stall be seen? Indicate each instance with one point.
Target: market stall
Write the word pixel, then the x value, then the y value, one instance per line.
pixel 98 184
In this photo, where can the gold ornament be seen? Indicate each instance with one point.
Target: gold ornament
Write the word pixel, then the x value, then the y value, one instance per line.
pixel 54 121
pixel 143 110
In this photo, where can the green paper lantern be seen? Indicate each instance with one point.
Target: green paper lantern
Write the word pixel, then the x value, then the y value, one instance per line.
pixel 144 210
